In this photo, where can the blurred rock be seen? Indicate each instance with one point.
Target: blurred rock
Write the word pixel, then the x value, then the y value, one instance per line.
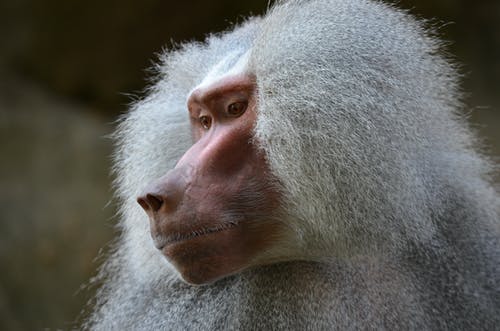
pixel 54 202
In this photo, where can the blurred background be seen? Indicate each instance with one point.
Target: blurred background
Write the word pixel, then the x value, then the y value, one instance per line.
pixel 67 70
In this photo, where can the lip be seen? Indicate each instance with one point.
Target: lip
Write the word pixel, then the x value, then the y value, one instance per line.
pixel 174 238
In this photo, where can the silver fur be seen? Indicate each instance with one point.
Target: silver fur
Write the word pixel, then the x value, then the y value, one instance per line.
pixel 394 221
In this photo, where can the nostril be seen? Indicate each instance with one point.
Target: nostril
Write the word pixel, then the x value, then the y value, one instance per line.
pixel 150 202
pixel 154 201
pixel 143 203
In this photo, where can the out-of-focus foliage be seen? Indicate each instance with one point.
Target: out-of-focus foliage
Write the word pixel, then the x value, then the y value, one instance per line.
pixel 64 68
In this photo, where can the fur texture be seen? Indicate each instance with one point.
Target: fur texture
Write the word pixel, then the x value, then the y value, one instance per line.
pixel 394 220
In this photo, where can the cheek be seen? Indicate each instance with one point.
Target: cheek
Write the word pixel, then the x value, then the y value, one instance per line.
pixel 223 221
pixel 220 218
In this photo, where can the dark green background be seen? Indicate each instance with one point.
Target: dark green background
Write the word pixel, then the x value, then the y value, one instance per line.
pixel 67 70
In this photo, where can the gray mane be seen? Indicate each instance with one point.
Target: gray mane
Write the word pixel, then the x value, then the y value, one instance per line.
pixel 360 116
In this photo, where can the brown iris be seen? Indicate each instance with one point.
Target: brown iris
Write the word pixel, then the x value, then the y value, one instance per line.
pixel 205 122
pixel 236 109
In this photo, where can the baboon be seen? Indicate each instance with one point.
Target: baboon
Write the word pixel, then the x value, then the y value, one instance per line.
pixel 308 170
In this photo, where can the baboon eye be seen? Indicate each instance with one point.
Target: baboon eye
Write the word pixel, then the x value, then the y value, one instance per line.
pixel 205 122
pixel 236 109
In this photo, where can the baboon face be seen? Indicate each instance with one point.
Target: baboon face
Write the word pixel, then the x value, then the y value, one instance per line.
pixel 213 213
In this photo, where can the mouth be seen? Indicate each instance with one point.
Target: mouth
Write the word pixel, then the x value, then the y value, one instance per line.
pixel 163 241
